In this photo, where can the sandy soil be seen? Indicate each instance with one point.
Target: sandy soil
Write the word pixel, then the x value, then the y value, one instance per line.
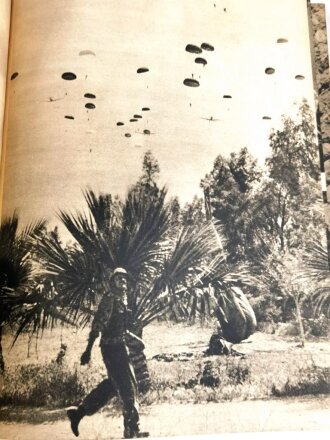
pixel 303 414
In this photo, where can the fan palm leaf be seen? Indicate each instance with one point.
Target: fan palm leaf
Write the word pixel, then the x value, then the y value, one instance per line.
pixel 75 273
pixel 145 224
pixel 316 261
pixel 189 250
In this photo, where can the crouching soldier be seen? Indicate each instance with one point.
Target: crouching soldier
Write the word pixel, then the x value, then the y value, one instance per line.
pixel 112 322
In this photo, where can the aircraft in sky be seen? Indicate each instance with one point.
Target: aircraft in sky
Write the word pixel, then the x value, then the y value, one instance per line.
pixel 211 119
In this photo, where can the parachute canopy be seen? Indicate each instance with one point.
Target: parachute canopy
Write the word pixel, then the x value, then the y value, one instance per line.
pixel 207 46
pixel 191 82
pixel 142 70
pixel 86 52
pixel 69 76
pixel 90 105
pixel 200 61
pixel 193 49
pixel 89 95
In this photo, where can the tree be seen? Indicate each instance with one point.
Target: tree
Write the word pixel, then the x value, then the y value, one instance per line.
pixel 147 184
pixel 140 235
pixel 289 194
pixel 316 269
pixel 193 214
pixel 229 199
pixel 288 204
pixel 272 210
pixel 16 268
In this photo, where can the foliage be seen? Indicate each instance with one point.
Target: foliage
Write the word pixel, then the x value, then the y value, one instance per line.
pixel 271 361
pixel 50 385
pixel 16 268
pixel 316 268
pixel 292 187
pixel 228 192
pixel 199 380
pixel 156 242
pixel 312 380
pixel 319 327
pixel 269 215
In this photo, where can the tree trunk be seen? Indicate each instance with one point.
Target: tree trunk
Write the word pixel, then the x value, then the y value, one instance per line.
pixel 2 362
pixel 300 323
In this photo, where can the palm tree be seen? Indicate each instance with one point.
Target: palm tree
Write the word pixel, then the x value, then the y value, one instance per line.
pixel 138 235
pixel 16 268
pixel 317 269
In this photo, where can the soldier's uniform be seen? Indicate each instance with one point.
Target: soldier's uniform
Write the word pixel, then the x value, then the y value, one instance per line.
pixel 112 321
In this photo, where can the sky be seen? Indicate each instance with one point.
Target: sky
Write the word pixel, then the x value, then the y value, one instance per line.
pixel 57 147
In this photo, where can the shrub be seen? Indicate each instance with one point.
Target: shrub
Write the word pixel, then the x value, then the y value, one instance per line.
pixel 310 380
pixel 239 373
pixel 51 385
pixel 319 326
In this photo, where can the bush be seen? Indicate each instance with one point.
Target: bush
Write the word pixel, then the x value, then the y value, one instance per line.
pixel 51 385
pixel 317 326
pixel 310 380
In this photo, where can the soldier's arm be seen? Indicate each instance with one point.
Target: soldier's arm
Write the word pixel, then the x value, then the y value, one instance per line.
pixel 86 356
pixel 93 335
pixel 102 315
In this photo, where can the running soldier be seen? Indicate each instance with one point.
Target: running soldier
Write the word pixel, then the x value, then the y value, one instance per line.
pixel 111 320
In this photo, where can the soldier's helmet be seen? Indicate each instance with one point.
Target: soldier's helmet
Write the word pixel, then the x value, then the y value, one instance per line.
pixel 118 271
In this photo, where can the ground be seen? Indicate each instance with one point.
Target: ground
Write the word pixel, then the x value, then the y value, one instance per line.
pixel 305 413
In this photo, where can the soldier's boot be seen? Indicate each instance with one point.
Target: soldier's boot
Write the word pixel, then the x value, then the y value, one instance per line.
pixel 132 427
pixel 135 433
pixel 75 415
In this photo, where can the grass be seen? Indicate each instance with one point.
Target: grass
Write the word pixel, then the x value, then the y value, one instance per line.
pixel 272 367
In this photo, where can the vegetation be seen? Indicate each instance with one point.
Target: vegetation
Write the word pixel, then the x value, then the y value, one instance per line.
pixel 257 229
pixel 16 270
pixel 185 377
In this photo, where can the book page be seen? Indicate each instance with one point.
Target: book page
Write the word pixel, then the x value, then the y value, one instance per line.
pixel 5 8
pixel 53 139
pixel 174 143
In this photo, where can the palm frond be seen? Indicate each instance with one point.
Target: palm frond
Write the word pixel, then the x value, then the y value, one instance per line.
pixel 16 248
pixel 145 224
pixel 320 300
pixel 101 208
pixel 316 261
pixel 33 229
pixel 190 249
pixel 75 273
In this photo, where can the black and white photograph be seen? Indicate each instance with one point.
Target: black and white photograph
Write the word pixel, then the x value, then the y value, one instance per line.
pixel 164 229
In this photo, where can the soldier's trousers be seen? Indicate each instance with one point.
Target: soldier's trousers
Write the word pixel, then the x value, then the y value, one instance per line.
pixel 121 381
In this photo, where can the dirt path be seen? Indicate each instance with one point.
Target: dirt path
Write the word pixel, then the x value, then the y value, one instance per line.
pixel 303 414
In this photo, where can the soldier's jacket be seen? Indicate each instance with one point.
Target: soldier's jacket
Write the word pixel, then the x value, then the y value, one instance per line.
pixel 111 319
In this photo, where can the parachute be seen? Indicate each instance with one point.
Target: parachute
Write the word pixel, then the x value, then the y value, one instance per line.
pixel 235 315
